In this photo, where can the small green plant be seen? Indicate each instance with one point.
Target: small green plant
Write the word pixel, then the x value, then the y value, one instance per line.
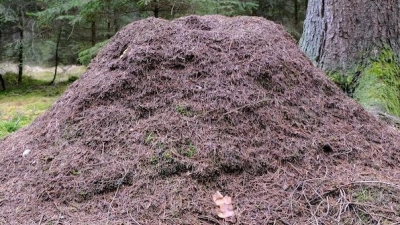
pixel 83 194
pixel 364 195
pixel 160 145
pixel 154 160
pixel 184 111
pixel 167 155
pixel 149 138
pixel 190 151
pixel 12 125
pixel 162 157
pixel 75 172
pixel 72 78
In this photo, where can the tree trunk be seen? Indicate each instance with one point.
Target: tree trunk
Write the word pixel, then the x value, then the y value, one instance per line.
pixel 57 57
pixel 296 12
pixel 20 54
pixel 339 34
pixel 93 31
pixel 1 44
pixel 110 13
pixel 156 10
pixel 108 28
pixel 3 83
pixel 116 25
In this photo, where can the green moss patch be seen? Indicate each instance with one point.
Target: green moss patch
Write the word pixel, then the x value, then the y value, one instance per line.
pixel 375 85
pixel 346 81
pixel 379 85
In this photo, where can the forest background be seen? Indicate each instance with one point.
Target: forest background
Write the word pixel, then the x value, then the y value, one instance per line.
pixel 32 31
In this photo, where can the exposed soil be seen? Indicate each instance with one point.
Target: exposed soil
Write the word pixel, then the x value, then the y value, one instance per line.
pixel 172 111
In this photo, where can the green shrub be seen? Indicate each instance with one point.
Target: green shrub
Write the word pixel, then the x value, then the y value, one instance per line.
pixel 87 55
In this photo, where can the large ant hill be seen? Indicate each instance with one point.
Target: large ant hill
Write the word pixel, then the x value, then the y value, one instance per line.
pixel 202 120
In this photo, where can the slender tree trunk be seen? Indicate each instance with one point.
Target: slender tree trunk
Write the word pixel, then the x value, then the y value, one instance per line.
pixel 1 44
pixel 339 33
pixel 116 25
pixel 57 57
pixel 20 54
pixel 3 83
pixel 20 29
pixel 296 12
pixel 110 13
pixel 108 29
pixel 156 11
pixel 93 31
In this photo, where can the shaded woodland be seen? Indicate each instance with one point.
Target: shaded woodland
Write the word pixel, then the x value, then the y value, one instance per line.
pixel 71 32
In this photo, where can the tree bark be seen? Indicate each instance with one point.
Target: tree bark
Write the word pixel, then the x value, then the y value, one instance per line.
pixel 57 57
pixel 339 33
pixel 116 25
pixel 108 28
pixel 110 13
pixel 156 10
pixel 93 32
pixel 1 44
pixel 3 83
pixel 20 54
pixel 296 12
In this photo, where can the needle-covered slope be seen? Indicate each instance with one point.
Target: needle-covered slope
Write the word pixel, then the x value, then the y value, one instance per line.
pixel 172 111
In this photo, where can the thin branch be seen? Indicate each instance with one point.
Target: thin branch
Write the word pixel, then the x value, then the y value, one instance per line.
pixel 115 195
pixel 375 182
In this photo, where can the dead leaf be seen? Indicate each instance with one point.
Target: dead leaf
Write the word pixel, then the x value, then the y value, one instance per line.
pixel 226 214
pixel 225 209
pixel 227 200
pixel 217 196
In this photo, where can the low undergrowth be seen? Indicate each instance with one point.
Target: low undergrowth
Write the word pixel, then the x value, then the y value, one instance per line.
pixel 21 104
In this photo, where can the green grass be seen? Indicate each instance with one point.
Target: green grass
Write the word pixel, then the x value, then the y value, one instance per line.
pixel 21 104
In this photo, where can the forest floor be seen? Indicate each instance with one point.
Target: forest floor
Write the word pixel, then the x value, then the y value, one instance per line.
pixel 21 104
pixel 170 112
